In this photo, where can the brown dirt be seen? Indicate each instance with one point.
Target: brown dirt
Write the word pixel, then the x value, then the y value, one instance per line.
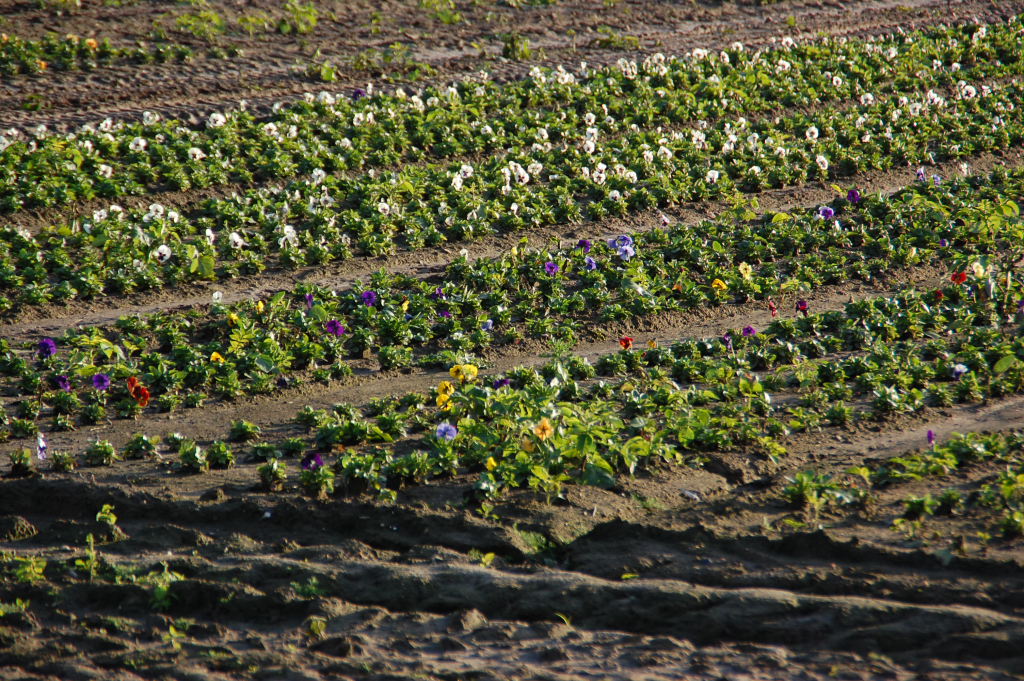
pixel 641 581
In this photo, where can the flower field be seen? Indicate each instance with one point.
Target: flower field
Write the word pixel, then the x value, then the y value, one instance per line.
pixel 419 342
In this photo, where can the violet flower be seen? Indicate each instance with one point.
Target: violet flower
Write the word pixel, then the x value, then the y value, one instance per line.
pixel 826 213
pixel 501 382
pixel 358 94
pixel 487 325
pixel 550 268
pixel 625 253
pixel 958 371
pixel 446 431
pixel 749 331
pixel 63 382
pixel 853 196
pixel 943 243
pixel 931 438
pixel 437 294
pixel 727 341
pixel 369 298
pixel 801 307
pixel 47 348
pixel 334 327
pixel 446 314
pixel 936 180
pixel 590 263
pixel 311 462
pixel 920 175
pixel 583 245
pixel 309 301
pixel 100 381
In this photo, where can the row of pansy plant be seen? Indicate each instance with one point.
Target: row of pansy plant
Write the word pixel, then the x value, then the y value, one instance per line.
pixel 315 221
pixel 255 346
pixel 70 53
pixel 995 498
pixel 331 134
pixel 745 391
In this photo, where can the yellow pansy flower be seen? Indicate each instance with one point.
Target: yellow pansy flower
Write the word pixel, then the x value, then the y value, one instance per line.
pixel 456 372
pixel 445 388
pixel 216 357
pixel 469 372
pixel 405 306
pixel 543 430
pixel 718 285
pixel 491 463
pixel 745 270
pixel 651 344
pixel 259 306
pixel 232 318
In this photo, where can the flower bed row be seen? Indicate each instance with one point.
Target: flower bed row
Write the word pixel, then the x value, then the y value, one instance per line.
pixel 318 220
pixel 70 53
pixel 746 390
pixel 330 134
pixel 255 347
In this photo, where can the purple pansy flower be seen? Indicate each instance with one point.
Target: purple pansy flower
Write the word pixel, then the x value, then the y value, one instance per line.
pixel 550 268
pixel 853 196
pixel 583 245
pixel 100 381
pixel 358 93
pixel 487 325
pixel 920 175
pixel 931 438
pixel 369 298
pixel 446 431
pixel 309 301
pixel 590 263
pixel 311 462
pixel 826 213
pixel 727 341
pixel 437 294
pixel 749 331
pixel 625 253
pixel 47 348
pixel 936 180
pixel 501 383
pixel 446 314
pixel 334 327
pixel 943 243
pixel 63 382
pixel 959 370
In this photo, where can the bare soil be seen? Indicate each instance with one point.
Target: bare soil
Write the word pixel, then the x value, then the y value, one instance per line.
pixel 698 573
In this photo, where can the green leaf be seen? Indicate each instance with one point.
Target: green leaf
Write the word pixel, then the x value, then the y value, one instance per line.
pixel 1004 364
pixel 598 473
pixel 207 267
pixel 780 217
pixel 319 313
pixel 266 364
